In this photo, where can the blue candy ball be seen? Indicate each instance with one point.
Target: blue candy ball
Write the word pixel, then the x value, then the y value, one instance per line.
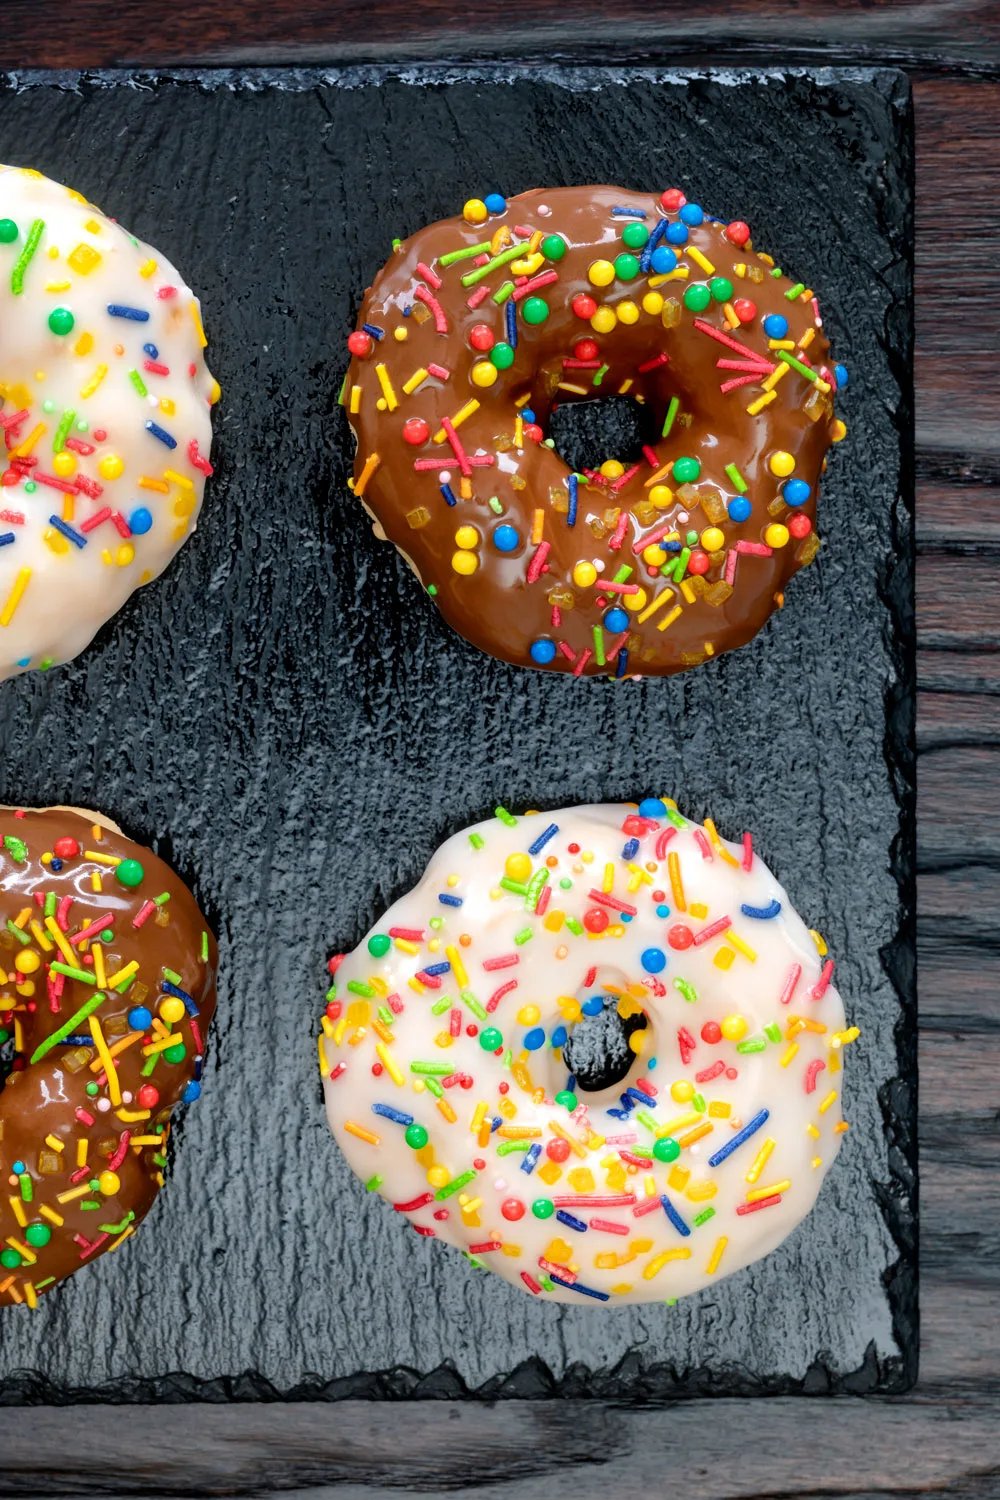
pixel 840 371
pixel 495 202
pixel 191 1093
pixel 534 1038
pixel 652 807
pixel 775 326
pixel 692 214
pixel 795 492
pixel 739 509
pixel 542 652
pixel 593 1006
pixel 653 960
pixel 616 620
pixel 528 414
pixel 676 234
pixel 663 260
pixel 140 521
pixel 663 911
pixel 140 1019
pixel 559 1036
pixel 506 539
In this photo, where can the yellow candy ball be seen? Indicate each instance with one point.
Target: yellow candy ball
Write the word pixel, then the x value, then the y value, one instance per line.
pixel 467 537
pixel 601 273
pixel 109 1183
pixel 401 334
pixel 713 539
pixel 110 466
pixel 438 1176
pixel 776 535
pixel 654 556
pixel 627 312
pixel 584 574
pixel 27 962
pixel 172 1010
pixel 484 374
pixel 124 555
pixel 604 320
pixel 465 563
pixel 475 211
pixel 681 1091
pixel 838 431
pixel 734 1028
pixel 517 866
pixel 528 1015
pixel 612 469
pixel 661 496
pixel 652 303
pixel 64 464
pixel 781 463
pixel 635 602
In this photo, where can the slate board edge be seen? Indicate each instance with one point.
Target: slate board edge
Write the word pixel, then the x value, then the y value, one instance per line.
pixel 532 1379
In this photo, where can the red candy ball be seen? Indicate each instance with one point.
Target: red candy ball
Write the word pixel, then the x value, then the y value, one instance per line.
pixel 377 1070
pixel 744 309
pixel 711 1032
pixel 333 1010
pixel 672 200
pixel 360 343
pixel 737 232
pixel 699 562
pixel 799 526
pixel 584 306
pixel 333 964
pixel 66 848
pixel 533 431
pixel 679 936
pixel 596 919
pixel 557 1150
pixel 482 337
pixel 148 1096
pixel 472 1029
pixel 416 431
pixel 585 349
pixel 572 848
pixel 512 1208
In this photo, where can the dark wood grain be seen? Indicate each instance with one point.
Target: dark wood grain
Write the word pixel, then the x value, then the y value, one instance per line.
pixel 943 1438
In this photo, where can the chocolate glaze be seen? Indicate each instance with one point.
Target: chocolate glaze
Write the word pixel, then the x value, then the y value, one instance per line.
pixel 497 607
pixel 39 1100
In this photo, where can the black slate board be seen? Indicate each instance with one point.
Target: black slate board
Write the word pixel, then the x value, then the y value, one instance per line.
pixel 286 719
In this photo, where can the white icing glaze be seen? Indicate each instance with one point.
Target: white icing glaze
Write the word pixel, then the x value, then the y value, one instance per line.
pixel 54 593
pixel 518 1087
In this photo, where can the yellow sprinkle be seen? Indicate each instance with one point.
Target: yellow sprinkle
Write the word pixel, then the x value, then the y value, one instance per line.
pixel 789 1053
pixel 760 403
pixel 831 1096
pixel 575 390
pixel 755 1194
pixel 573 1143
pixel 324 1066
pixel 538 527
pixel 162 1044
pixel 123 1236
pixel 717 1254
pixel 181 479
pixel 77 1192
pixel 409 386
pixel 40 937
pixel 14 598
pixel 701 260
pixel 390 1064
pixel 687 590
pixel 100 976
pixel 839 1038
pixel 659 1261
pixel 415 984
pixel 718 845
pixel 719 1109
pixel 371 464
pixel 61 943
pixel 459 417
pixel 608 881
pixel 811 1128
pixel 145 483
pixel 93 382
pixel 30 441
pixel 807 338
pixel 23 1250
pixel 130 1116
pixel 705 1128
pixel 670 618
pixel 355 404
pixel 81 1151
pixel 58 286
pixel 760 1161
pixel 114 1087
pixel 363 1134
pixel 676 883
pixel 55 1143
pixel 18 1211
pixel 731 318
pixel 478 1116
pixel 146 1140
pixel 663 597
pixel 457 967
pixel 146 269
pixel 446 1109
pixel 740 945
pixel 51 1215
pixel 198 325
pixel 102 859
pixel 96 884
pixel 680 273
pixel 386 384
pixel 116 979
pixel 778 374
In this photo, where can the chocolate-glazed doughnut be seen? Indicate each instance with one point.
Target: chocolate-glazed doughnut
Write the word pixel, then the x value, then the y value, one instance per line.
pixel 107 987
pixel 481 325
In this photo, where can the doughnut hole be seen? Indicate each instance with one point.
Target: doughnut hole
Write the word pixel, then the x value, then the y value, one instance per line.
pixel 587 434
pixel 599 1050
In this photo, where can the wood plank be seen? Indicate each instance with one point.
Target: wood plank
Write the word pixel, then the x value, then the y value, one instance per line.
pixel 948 719
pixel 956 671
pixel 958 602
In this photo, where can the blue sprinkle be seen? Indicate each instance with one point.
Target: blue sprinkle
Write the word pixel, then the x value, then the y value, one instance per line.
pixel 626 1103
pixel 198 1065
pixel 449 494
pixel 572 485
pixel 542 652
pixel 511 315
pixel 136 314
pixel 762 913
pixel 530 1158
pixel 151 350
pixel 618 1114
pixel 450 900
pixel 564 1218
pixel 68 532
pixel 86 1040
pixel 652 807
pixel 543 839
pixel 737 1140
pixel 140 521
pixel 162 434
pixel 670 546
pixel 622 664
pixel 495 1123
pixel 495 203
pixel 571 1083
pixel 629 213
pixel 840 371
pixel 577 1286
pixel 534 1038
pixel 189 1005
pixel 437 968
pixel 388 1113
pixel 673 1215
pixel 6 538
pixel 374 330
pixel 631 849
pixel 641 1098
pixel 192 1091
pixel 656 233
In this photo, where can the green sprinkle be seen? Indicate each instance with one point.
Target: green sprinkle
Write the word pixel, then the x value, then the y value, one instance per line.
pixel 479 1011
pixel 172 977
pixel 73 973
pixel 373 1183
pixel 24 259
pixel 477 841
pixel 698 1103
pixel 432 589
pixel 507 1147
pixel 50 903
pixel 69 1026
pixel 23 938
pixel 598 635
pixel 506 817
pixel 440 1006
pixel 138 382
pixel 27 1191
pixel 63 430
pixel 600 374
pixel 481 272
pixel 396 242
pixel 773 1031
pixel 160 900
pixel 159 1159
pixel 117 1228
pixel 703 1217
pixel 92 1202
pixel 672 411
pixel 150 1064
pixel 49 1280
pixel 343 391
pixel 496 505
pixel 673 816
pixel 358 987
pixel 624 572
pixel 16 848
pixel 466 253
pixel 645 1118
pixel 575 927
pixel 502 293
pixel 331 993
pixel 431 1069
pixel 204 947
pixel 385 1015
pixel 536 885
pixel 523 936
pixel 797 364
pixel 687 990
pixel 516 887
pixel 736 478
pixel 433 1087
pixel 755 1044
pixel 679 567
pixel 795 291
pixel 454 1186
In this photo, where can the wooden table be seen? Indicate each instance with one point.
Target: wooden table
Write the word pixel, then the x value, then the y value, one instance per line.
pixel 944 1437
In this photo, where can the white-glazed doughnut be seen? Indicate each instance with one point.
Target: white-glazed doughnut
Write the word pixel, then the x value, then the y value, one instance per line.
pixel 105 415
pixel 447 1088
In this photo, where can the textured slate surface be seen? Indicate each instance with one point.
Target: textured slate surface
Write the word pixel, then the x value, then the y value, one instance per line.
pixel 288 722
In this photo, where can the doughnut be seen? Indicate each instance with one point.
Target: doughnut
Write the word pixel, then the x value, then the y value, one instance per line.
pixel 481 326
pixel 108 987
pixel 105 414
pixel 595 1049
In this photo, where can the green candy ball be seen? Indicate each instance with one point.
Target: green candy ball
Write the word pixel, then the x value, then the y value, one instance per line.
pixel 535 310
pixel 720 288
pixel 626 267
pixel 10 1259
pixel 38 1235
pixel 176 1054
pixel 697 297
pixel 567 1099
pixel 129 872
pixel 8 234
pixel 61 320
pixel 490 1039
pixel 543 1208
pixel 553 247
pixel 635 236
pixel 502 356
pixel 416 1136
pixel 379 945
pixel 666 1149
pixel 686 470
